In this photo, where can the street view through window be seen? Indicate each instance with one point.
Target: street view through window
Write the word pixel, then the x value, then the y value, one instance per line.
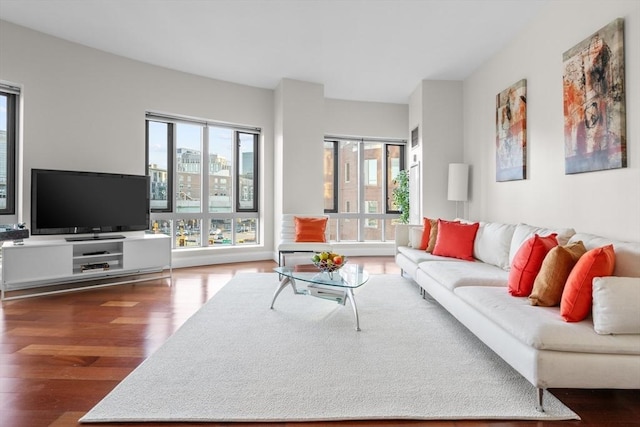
pixel 212 173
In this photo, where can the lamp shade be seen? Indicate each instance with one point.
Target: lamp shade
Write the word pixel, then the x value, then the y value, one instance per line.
pixel 458 182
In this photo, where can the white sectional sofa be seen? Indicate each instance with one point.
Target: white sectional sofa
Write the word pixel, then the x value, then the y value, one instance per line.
pixel 536 341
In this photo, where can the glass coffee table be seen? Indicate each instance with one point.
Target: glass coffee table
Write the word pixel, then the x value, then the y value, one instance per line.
pixel 338 288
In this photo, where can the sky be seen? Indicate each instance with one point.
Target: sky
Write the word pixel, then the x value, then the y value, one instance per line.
pixel 3 113
pixel 188 136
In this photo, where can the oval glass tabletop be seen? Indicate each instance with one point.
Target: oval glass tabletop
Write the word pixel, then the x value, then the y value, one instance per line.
pixel 349 276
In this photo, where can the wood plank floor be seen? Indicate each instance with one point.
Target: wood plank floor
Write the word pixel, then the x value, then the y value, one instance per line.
pixel 60 355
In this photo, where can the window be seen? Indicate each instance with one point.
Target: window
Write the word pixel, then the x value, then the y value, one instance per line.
pixel 9 97
pixel 366 170
pixel 371 172
pixel 330 176
pixel 159 164
pixel 204 181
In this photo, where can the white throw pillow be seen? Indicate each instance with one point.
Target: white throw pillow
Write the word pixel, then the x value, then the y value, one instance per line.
pixel 627 253
pixel 493 243
pixel 524 231
pixel 616 305
pixel 415 236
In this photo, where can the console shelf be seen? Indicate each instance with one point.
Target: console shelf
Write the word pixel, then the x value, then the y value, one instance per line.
pixel 40 264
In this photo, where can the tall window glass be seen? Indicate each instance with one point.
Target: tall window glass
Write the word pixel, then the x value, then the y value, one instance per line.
pixel 220 169
pixel 188 168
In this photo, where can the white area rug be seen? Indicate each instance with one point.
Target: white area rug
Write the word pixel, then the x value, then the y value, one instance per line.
pixel 237 360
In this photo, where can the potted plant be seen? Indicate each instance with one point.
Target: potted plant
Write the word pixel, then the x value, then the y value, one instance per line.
pixel 401 195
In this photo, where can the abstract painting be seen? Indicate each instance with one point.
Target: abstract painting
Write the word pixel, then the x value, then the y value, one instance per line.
pixel 511 132
pixel 594 102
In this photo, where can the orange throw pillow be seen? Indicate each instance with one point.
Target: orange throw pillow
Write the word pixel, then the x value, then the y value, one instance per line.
pixel 426 232
pixel 527 263
pixel 310 229
pixel 577 296
pixel 455 239
pixel 433 236
pixel 556 267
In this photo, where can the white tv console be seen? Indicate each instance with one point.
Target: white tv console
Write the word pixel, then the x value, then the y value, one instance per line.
pixel 39 264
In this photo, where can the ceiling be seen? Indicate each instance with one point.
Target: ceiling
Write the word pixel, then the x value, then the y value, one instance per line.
pixel 367 50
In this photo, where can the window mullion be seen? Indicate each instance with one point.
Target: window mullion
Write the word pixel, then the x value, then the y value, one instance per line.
pixel 206 216
pixel 361 191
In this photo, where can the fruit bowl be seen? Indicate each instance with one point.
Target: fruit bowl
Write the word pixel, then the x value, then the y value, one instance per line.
pixel 329 262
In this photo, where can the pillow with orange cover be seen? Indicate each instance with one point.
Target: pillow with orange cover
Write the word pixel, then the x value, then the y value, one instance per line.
pixel 310 229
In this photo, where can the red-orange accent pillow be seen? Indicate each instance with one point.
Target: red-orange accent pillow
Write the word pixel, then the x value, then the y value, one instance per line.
pixel 426 232
pixel 577 296
pixel 310 229
pixel 455 239
pixel 527 263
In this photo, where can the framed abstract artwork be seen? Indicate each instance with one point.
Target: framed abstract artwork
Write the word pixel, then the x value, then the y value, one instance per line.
pixel 511 132
pixel 594 102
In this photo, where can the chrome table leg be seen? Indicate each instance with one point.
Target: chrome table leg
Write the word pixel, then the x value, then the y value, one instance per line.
pixel 353 305
pixel 283 284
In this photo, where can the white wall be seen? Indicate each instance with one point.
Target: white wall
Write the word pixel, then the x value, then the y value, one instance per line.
pixel 298 174
pixel 85 110
pixel 603 202
pixel 436 108
pixel 367 119
pixel 301 109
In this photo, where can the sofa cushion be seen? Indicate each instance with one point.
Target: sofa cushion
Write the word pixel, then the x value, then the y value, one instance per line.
pixel 415 235
pixel 493 242
pixel 577 295
pixel 549 283
pixel 310 229
pixel 464 273
pixel 525 231
pixel 417 256
pixel 542 327
pixel 455 239
pixel 616 305
pixel 627 253
pixel 527 263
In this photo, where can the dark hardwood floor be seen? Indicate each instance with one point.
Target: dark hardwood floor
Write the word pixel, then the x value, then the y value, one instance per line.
pixel 60 355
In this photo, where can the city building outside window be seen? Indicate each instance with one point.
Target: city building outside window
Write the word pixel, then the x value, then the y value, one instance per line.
pixel 358 184
pixel 204 181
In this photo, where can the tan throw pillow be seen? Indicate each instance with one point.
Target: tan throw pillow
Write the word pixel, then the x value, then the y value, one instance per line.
pixel 433 236
pixel 556 266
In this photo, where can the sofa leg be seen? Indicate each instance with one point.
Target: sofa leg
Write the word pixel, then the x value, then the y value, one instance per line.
pixel 539 395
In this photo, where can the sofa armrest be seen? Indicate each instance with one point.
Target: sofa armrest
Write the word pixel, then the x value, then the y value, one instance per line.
pixel 402 234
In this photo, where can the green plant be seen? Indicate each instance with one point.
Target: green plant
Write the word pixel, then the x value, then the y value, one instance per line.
pixel 401 195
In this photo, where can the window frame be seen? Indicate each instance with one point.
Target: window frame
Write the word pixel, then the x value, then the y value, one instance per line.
pixel 205 217
pixel 336 179
pixel 12 94
pixel 170 162
pixel 364 218
pixel 236 174
pixel 385 189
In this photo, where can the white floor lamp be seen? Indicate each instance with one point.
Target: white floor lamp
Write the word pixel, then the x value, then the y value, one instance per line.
pixel 458 184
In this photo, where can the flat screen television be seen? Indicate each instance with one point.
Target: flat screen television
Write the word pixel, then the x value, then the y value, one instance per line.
pixel 75 202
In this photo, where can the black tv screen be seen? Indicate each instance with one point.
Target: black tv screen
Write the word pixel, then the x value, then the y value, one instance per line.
pixel 74 202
